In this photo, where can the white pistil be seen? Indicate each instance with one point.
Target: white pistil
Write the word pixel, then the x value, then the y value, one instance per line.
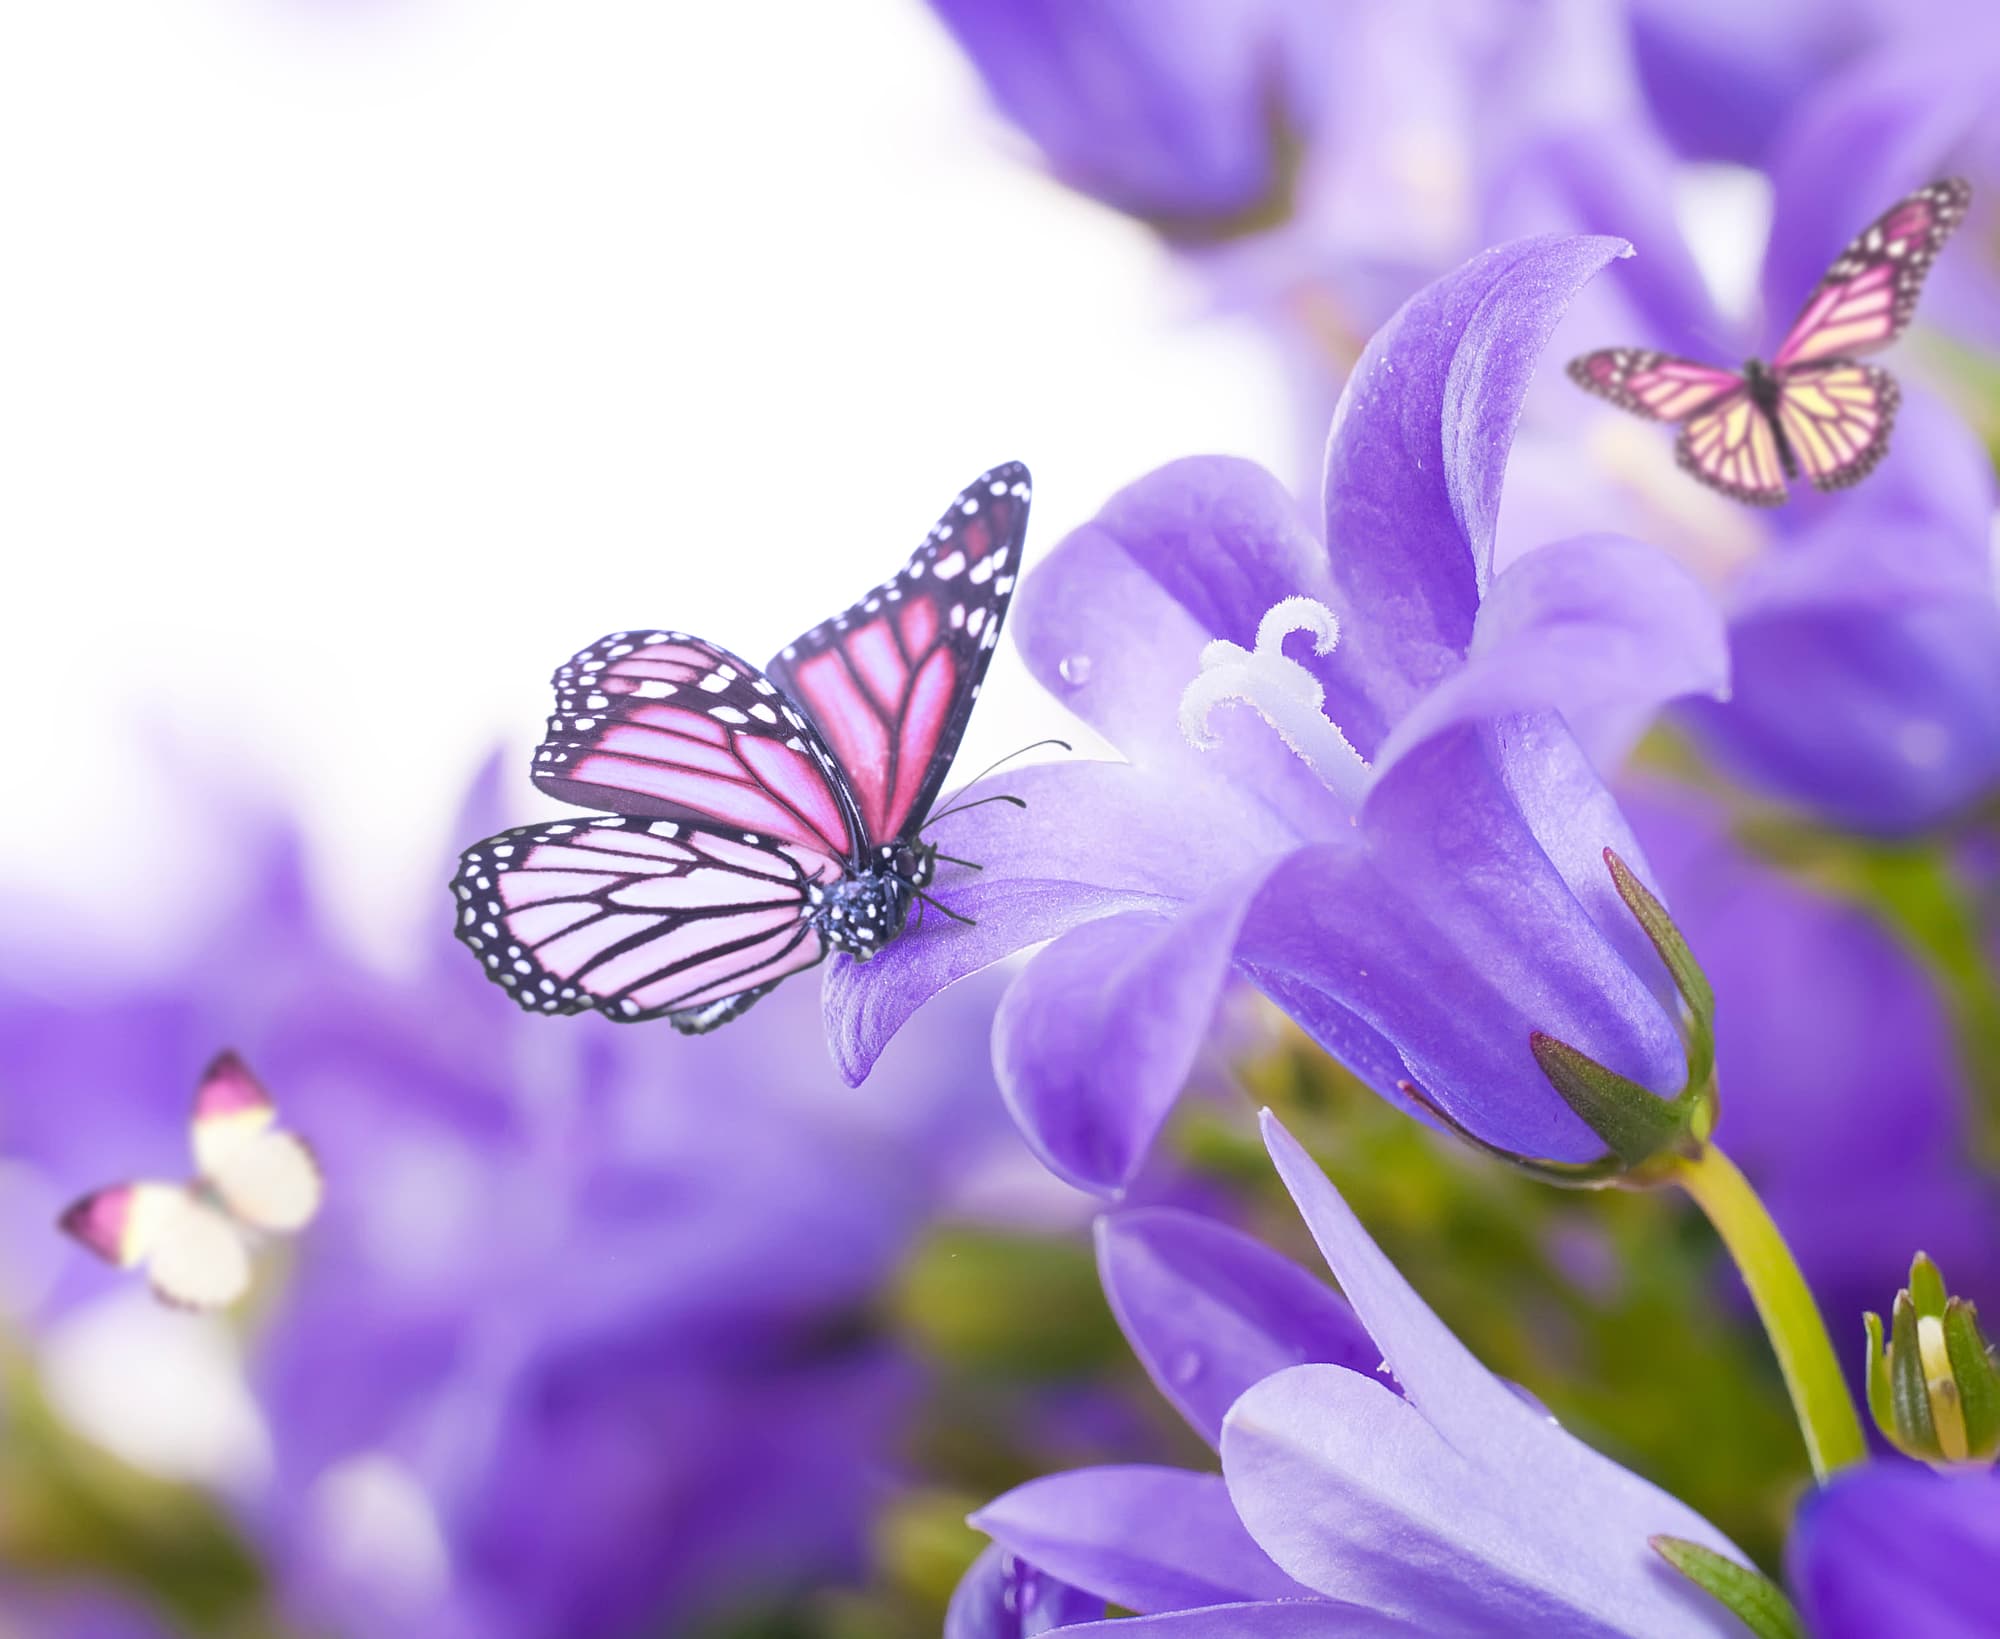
pixel 1282 691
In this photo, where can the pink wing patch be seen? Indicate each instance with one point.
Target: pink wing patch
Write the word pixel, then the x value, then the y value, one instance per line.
pixel 110 1223
pixel 1836 419
pixel 666 726
pixel 1869 295
pixel 638 918
pixel 1658 386
pixel 890 683
pixel 1731 447
pixel 228 1089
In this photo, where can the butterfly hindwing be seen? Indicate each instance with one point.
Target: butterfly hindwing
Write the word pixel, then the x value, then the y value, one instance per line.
pixel 890 683
pixel 195 1258
pixel 1730 447
pixel 1658 386
pixel 1836 419
pixel 666 726
pixel 1869 295
pixel 640 918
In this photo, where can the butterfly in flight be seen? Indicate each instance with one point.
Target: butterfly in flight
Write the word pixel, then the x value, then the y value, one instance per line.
pixel 1813 410
pixel 252 1178
pixel 756 821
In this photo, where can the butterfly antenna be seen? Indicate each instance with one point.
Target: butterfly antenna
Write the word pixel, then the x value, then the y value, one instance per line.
pixel 965 807
pixel 1037 746
pixel 946 910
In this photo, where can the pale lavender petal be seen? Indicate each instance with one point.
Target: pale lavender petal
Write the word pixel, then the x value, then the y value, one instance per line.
pixel 1150 1539
pixel 1417 454
pixel 1209 1310
pixel 1354 1493
pixel 1275 1619
pixel 1113 624
pixel 1600 628
pixel 1095 839
pixel 1095 1039
pixel 1891 1548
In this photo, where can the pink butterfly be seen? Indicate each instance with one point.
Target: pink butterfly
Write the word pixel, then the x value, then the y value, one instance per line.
pixel 1812 410
pixel 252 1178
pixel 761 819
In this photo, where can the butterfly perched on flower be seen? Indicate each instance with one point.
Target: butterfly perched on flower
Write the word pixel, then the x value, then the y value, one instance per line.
pixel 252 1178
pixel 758 820
pixel 1812 411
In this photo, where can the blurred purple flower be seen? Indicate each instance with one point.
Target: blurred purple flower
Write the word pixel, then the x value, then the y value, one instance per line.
pixel 1178 113
pixel 582 1339
pixel 1893 1548
pixel 1422 914
pixel 1843 1097
pixel 1376 1479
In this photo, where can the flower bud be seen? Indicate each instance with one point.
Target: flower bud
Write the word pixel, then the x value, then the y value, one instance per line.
pixel 1935 1389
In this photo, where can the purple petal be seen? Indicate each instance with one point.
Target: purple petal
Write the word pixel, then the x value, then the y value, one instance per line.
pixel 1418 450
pixel 1470 1461
pixel 1454 936
pixel 1209 1310
pixel 1160 112
pixel 1004 1597
pixel 1114 621
pixel 1150 1539
pixel 1097 1036
pixel 1277 1619
pixel 1095 839
pixel 1893 1548
pixel 1600 628
pixel 1354 1493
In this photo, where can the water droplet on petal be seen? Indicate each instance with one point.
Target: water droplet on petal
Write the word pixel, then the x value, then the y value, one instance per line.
pixel 1185 1367
pixel 1074 669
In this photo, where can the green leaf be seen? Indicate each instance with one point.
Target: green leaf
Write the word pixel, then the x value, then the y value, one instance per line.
pixel 1634 1122
pixel 1758 1602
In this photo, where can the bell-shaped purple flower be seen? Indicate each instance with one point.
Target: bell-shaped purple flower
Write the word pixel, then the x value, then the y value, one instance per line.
pixel 1356 771
pixel 1376 1479
pixel 1894 1548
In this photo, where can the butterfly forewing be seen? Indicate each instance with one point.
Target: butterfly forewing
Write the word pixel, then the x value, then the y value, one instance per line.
pixel 667 726
pixel 1658 386
pixel 1730 447
pixel 194 1256
pixel 640 917
pixel 1869 295
pixel 890 683
pixel 1836 419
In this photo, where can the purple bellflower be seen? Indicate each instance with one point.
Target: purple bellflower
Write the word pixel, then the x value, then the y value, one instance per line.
pixel 1402 840
pixel 1892 1547
pixel 581 1339
pixel 1376 1479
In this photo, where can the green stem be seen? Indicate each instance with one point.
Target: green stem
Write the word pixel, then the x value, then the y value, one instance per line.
pixel 1785 1305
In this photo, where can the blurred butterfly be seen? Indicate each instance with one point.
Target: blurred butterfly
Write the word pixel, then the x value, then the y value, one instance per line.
pixel 1812 410
pixel 252 1178
pixel 761 819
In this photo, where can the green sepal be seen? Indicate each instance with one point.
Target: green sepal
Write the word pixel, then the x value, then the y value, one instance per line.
pixel 1909 1396
pixel 1927 1288
pixel 1881 1404
pixel 1758 1602
pixel 1563 1174
pixel 1689 980
pixel 1977 1374
pixel 1635 1123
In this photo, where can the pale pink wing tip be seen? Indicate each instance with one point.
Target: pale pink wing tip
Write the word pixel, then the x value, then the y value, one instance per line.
pixel 228 1088
pixel 100 1221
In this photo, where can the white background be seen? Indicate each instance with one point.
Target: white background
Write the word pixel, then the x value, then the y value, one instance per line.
pixel 360 361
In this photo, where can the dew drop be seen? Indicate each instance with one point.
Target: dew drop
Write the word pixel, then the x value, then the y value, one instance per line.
pixel 1185 1367
pixel 1074 669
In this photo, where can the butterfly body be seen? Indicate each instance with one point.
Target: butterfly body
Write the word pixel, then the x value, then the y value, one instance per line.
pixel 759 820
pixel 1814 411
